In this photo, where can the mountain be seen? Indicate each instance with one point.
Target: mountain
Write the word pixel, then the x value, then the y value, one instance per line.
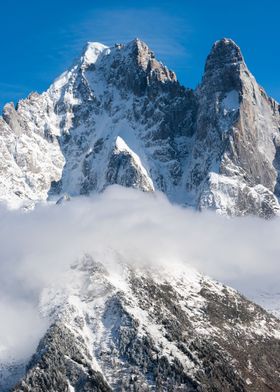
pixel 140 329
pixel 119 116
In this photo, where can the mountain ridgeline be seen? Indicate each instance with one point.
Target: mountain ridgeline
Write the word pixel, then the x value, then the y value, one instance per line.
pixel 119 116
pixel 148 330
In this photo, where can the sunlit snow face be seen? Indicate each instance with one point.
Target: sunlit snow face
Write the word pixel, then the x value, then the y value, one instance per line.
pixel 36 248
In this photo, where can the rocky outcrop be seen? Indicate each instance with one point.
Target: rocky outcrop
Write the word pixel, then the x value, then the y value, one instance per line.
pixel 240 124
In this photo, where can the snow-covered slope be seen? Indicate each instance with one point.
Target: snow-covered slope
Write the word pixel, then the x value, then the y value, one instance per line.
pixel 140 329
pixel 120 116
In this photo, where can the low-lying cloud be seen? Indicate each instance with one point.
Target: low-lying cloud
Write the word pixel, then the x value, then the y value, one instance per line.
pixel 37 247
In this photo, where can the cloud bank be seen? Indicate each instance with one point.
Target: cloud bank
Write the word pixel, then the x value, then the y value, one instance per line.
pixel 36 248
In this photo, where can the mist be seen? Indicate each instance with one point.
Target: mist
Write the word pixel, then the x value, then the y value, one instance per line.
pixel 37 248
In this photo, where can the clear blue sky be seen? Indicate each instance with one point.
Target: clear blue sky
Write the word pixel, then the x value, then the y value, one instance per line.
pixel 40 39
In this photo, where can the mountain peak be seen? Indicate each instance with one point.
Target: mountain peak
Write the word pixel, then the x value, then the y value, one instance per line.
pixel 224 52
pixel 91 52
pixel 226 42
pixel 223 66
pixel 138 43
pixel 134 66
pixel 139 49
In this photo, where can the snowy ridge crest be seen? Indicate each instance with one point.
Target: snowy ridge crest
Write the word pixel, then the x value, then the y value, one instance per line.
pixel 195 146
pixel 129 327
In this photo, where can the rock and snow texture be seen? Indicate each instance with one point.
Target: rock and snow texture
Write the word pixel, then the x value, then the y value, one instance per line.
pixel 137 329
pixel 241 124
pixel 120 116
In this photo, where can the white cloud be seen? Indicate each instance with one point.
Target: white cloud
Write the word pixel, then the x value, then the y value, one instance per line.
pixel 37 247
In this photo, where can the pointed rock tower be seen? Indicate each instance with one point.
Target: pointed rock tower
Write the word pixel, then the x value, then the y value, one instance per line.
pixel 239 126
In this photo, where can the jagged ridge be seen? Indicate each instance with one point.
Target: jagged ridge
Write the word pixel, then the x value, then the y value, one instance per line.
pixel 140 329
pixel 216 147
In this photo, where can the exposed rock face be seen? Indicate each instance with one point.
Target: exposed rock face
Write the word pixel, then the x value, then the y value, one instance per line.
pixel 145 330
pixel 241 126
pixel 216 147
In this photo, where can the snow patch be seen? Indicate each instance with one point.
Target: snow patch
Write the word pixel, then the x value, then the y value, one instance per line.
pixel 93 51
pixel 231 101
pixel 122 146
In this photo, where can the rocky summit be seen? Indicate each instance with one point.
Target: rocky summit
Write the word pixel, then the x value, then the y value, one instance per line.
pixel 141 329
pixel 119 116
